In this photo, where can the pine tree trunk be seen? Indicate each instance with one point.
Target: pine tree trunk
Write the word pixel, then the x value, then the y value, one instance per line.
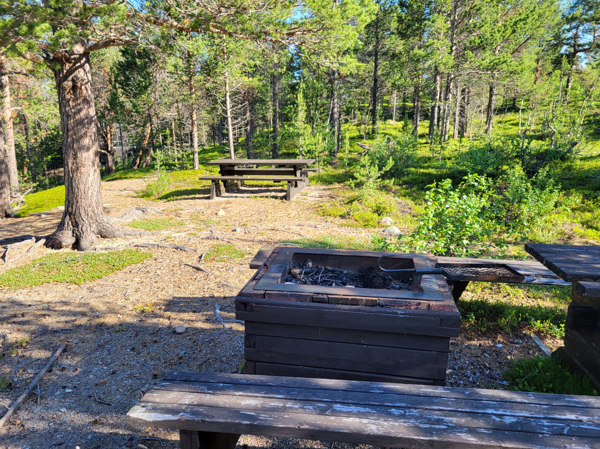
pixel 83 218
pixel 28 164
pixel 135 163
pixel 249 128
pixel 335 111
pixel 464 112
pixel 123 152
pixel 228 111
pixel 435 107
pixel 416 108
pixel 275 87
pixel 394 94
pixel 194 119
pixel 489 117
pixel 375 87
pixel 5 209
pixel 9 135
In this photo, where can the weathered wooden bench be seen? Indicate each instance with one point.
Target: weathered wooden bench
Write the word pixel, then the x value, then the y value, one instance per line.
pixel 294 183
pixel 212 410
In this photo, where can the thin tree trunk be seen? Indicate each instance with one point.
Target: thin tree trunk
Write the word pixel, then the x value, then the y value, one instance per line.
pixel 249 128
pixel 275 88
pixel 394 94
pixel 9 136
pixel 375 87
pixel 194 118
pixel 174 137
pixel 449 79
pixel 335 111
pixel 28 162
pixel 83 217
pixel 457 113
pixel 417 108
pixel 110 149
pixel 490 107
pixel 5 209
pixel 123 152
pixel 433 116
pixel 228 112
pixel 464 112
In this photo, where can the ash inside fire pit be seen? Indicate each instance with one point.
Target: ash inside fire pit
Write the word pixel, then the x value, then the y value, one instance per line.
pixel 307 273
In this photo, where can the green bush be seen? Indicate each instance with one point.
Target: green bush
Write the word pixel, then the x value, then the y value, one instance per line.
pixel 402 150
pixel 547 375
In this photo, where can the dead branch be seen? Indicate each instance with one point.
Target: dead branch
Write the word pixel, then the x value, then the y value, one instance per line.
pixel 218 315
pixel 225 284
pixel 33 383
pixel 186 249
pixel 196 267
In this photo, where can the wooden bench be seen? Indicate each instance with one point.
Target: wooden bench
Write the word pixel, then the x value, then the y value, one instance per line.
pixel 212 410
pixel 294 183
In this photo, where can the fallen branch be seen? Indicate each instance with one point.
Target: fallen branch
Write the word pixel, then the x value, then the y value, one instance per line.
pixel 196 267
pixel 218 315
pixel 13 240
pixel 33 383
pixel 186 249
pixel 36 246
pixel 228 285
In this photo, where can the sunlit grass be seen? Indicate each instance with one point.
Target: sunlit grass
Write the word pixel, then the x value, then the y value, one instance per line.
pixel 43 201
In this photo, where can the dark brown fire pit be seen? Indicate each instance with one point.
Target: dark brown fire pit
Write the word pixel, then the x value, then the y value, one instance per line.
pixel 336 314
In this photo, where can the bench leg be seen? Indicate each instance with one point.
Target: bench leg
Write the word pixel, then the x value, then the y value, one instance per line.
pixel 213 190
pixel 292 190
pixel 192 439
pixel 458 287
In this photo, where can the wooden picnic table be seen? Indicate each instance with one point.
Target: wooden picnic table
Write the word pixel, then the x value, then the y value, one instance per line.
pixel 580 265
pixel 232 172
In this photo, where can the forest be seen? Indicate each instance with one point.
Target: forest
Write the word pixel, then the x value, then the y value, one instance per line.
pixel 386 95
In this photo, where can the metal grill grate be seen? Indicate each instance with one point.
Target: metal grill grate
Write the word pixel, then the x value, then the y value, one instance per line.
pixel 481 272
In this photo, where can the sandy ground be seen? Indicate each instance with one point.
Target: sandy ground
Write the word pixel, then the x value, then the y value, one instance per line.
pixel 116 353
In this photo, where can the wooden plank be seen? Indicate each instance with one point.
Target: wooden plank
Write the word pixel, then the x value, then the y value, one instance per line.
pixel 348 357
pixel 263 171
pixel 261 257
pixel 582 318
pixel 371 338
pixel 409 321
pixel 399 433
pixel 589 289
pixel 587 354
pixel 234 162
pixel 570 262
pixel 359 410
pixel 252 178
pixel 376 388
pixel 275 369
pixel 432 401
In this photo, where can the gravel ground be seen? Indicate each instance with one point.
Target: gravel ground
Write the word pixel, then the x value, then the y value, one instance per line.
pixel 116 353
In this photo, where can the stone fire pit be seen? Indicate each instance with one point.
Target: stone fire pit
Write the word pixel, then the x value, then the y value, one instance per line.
pixel 335 314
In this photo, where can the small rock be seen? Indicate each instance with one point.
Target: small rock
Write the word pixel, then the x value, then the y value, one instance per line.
pixel 499 345
pixel 221 212
pixel 237 230
pixel 43 215
pixel 392 230
pixel 515 341
pixel 387 221
pixel 180 329
pixel 62 409
pixel 37 409
pixel 68 391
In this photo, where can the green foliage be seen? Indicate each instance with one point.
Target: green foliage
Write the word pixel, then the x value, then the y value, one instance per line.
pixel 43 201
pixel 455 220
pixel 144 308
pixel 71 268
pixel 331 242
pixel 222 252
pixel 156 224
pixel 547 375
pixel 369 175
pixel 4 383
pixel 402 150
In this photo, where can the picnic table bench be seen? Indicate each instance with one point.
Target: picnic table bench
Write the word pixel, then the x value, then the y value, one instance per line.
pixel 212 410
pixel 233 173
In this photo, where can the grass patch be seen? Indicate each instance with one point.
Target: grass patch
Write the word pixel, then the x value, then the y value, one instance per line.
pixel 547 375
pixel 223 251
pixel 333 242
pixel 144 308
pixel 156 224
pixel 43 201
pixel 508 308
pixel 129 173
pixel 71 268
pixel 4 383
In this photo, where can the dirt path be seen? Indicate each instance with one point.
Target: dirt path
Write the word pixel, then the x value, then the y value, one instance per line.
pixel 116 352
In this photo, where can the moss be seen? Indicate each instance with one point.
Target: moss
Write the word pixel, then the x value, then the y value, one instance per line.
pixel 222 252
pixel 70 267
pixel 156 224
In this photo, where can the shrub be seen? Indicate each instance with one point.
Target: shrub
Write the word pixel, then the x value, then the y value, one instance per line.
pixel 401 150
pixel 455 221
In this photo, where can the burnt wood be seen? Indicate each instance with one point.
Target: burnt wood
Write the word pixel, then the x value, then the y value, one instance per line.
pixel 398 415
pixel 570 262
pixel 582 318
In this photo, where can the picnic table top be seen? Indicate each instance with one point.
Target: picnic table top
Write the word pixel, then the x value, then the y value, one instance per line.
pixel 261 162
pixel 570 262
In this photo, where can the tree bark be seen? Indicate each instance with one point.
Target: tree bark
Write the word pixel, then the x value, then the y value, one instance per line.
pixel 335 111
pixel 228 112
pixel 9 135
pixel 489 117
pixel 5 209
pixel 275 87
pixel 28 163
pixel 138 160
pixel 416 108
pixel 110 149
pixel 464 112
pixel 123 152
pixel 194 116
pixel 457 111
pixel 83 217
pixel 435 107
